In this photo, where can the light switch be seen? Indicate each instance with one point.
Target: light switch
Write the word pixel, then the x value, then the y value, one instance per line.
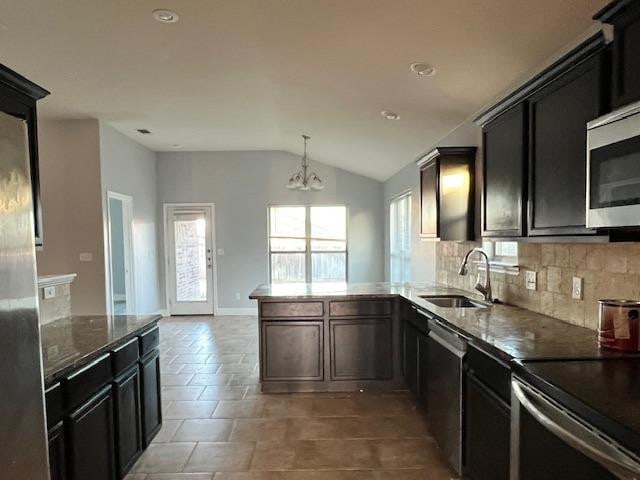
pixel 530 279
pixel 49 292
pixel 86 257
pixel 576 291
pixel 221 252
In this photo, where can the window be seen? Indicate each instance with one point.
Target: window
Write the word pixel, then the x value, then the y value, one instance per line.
pixel 308 244
pixel 400 238
pixel 503 256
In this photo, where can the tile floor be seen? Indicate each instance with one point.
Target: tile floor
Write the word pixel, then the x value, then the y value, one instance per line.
pixel 218 426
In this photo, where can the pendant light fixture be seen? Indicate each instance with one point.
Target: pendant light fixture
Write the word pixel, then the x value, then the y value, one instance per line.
pixel 302 180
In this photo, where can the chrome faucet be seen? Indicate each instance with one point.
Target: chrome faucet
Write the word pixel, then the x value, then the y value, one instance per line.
pixel 485 289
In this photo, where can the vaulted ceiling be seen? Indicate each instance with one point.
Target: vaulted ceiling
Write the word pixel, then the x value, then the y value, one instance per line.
pixel 255 74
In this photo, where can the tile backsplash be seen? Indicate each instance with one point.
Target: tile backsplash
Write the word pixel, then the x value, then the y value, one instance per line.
pixel 607 270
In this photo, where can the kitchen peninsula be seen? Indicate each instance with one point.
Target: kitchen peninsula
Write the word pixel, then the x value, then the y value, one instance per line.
pixel 316 337
pixel 102 391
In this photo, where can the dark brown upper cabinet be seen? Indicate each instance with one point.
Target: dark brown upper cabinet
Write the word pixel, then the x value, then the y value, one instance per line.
pixel 534 170
pixel 504 174
pixel 447 186
pixel 18 98
pixel 558 115
pixel 624 15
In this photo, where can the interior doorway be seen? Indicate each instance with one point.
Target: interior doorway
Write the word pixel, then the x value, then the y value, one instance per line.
pixel 121 273
pixel 189 254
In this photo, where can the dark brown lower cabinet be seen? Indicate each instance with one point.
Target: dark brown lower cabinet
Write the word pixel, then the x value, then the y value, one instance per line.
pixel 92 439
pixel 128 419
pixel 361 349
pixel 292 350
pixel 150 388
pixel 57 452
pixel 487 438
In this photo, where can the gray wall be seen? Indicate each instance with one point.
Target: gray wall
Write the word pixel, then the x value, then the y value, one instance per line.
pixel 130 169
pixel 423 252
pixel 72 209
pixel 117 247
pixel 242 185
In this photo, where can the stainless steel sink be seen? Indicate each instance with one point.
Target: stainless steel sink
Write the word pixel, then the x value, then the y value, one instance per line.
pixel 453 301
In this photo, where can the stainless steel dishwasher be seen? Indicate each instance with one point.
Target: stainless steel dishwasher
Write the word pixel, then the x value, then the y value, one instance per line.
pixel 446 351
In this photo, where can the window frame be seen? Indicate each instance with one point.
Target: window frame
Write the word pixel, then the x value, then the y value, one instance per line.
pixel 308 252
pixel 508 264
pixel 409 195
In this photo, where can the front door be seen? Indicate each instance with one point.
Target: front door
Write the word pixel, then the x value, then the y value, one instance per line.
pixel 190 249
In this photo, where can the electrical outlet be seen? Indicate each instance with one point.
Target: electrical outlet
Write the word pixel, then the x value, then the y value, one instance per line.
pixel 576 291
pixel 221 252
pixel 86 257
pixel 49 292
pixel 530 280
pixel 237 295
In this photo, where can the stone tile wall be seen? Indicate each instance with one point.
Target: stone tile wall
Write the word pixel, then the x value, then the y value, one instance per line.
pixel 607 270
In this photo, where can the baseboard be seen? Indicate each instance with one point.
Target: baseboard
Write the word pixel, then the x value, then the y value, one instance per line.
pixel 247 311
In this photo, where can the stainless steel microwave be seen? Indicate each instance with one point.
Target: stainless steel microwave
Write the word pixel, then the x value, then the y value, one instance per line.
pixel 613 169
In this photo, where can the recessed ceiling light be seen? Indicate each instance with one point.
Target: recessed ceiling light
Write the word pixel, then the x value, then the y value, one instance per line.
pixel 390 115
pixel 165 16
pixel 423 69
pixel 176 145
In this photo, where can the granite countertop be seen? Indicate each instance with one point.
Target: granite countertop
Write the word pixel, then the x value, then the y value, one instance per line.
pixel 509 332
pixel 71 342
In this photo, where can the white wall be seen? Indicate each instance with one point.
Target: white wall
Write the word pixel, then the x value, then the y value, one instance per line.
pixel 130 169
pixel 72 209
pixel 242 185
pixel 423 252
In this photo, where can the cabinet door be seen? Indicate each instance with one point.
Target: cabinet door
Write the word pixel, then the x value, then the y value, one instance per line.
pixel 487 434
pixel 429 199
pixel 626 61
pixel 128 419
pixel 411 357
pixel 57 453
pixel 558 142
pixel 151 405
pixel 361 349
pixel 292 351
pixel 423 371
pixel 91 439
pixel 504 173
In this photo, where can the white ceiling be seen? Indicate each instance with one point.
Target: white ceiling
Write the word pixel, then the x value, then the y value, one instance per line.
pixel 255 74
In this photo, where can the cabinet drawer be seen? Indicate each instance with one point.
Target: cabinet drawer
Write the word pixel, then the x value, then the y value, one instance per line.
pixel 360 308
pixel 55 404
pixel 82 383
pixel 494 374
pixel 149 340
pixel 291 309
pixel 125 356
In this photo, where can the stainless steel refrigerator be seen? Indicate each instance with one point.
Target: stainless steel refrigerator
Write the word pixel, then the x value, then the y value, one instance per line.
pixel 23 443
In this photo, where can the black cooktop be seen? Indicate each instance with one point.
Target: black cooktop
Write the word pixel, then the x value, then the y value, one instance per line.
pixel 606 393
